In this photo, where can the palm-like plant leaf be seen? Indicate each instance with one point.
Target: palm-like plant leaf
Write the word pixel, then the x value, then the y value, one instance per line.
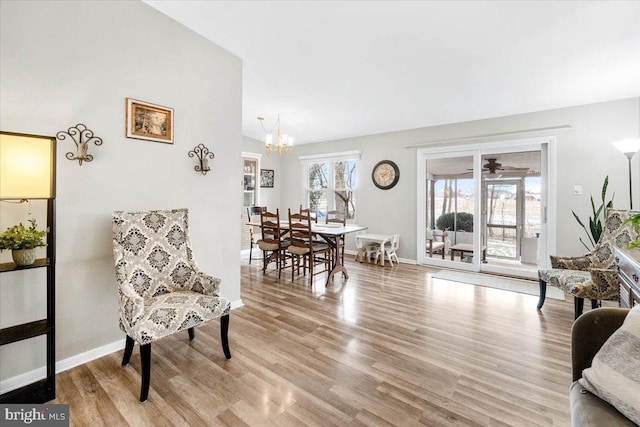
pixel 595 223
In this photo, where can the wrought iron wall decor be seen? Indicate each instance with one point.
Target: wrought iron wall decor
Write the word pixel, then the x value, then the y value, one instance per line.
pixel 82 137
pixel 203 155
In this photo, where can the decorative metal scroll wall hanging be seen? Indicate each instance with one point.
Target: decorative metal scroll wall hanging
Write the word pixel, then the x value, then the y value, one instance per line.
pixel 203 155
pixel 82 138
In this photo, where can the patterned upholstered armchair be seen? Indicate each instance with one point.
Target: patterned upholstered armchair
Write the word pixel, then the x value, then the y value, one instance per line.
pixel 593 276
pixel 161 290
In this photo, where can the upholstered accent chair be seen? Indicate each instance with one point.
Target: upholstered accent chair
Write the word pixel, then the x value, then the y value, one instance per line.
pixel 592 276
pixel 161 290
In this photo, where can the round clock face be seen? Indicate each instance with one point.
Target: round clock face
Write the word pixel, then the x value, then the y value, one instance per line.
pixel 385 174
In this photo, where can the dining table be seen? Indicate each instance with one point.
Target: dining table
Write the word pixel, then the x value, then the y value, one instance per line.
pixel 333 234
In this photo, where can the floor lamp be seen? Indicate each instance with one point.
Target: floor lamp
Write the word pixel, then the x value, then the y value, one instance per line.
pixel 629 147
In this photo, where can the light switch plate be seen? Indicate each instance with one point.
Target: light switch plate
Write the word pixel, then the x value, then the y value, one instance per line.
pixel 577 190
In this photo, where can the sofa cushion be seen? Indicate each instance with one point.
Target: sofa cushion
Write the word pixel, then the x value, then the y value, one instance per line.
pixel 614 375
pixel 589 410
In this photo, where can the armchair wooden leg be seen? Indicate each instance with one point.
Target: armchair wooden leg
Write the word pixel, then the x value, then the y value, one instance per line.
pixel 192 334
pixel 543 293
pixel 128 350
pixel 145 359
pixel 578 305
pixel 224 329
pixel 595 304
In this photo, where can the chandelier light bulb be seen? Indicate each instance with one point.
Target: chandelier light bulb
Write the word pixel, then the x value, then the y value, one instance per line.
pixel 283 142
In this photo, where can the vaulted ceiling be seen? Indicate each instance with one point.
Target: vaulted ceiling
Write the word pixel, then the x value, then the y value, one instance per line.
pixel 336 69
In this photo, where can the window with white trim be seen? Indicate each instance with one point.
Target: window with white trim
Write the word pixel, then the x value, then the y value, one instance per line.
pixel 331 182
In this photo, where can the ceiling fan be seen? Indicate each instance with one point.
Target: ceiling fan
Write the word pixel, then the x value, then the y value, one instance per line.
pixel 492 167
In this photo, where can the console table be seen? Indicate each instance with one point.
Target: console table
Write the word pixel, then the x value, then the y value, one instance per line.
pixel 628 261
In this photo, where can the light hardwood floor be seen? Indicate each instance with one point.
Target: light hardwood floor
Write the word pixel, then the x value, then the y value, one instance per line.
pixel 389 346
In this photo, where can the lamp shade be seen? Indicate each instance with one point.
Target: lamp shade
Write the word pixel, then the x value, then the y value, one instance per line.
pixel 628 146
pixel 26 166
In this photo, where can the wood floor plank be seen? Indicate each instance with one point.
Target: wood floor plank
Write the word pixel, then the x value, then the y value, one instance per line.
pixel 388 346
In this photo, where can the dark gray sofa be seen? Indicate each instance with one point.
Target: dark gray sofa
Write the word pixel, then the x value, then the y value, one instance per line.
pixel 589 333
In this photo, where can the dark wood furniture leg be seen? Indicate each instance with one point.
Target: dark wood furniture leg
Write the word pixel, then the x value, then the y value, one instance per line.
pixel 543 293
pixel 145 359
pixel 338 266
pixel 224 329
pixel 594 304
pixel 128 350
pixel 578 305
pixel 192 334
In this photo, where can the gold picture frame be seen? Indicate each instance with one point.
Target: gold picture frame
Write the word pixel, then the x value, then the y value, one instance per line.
pixel 150 122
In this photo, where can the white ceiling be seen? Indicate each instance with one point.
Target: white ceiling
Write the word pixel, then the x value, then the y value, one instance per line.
pixel 336 69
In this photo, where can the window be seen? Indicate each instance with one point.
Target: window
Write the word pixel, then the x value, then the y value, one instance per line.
pixel 330 183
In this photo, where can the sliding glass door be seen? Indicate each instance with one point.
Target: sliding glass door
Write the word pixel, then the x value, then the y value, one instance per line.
pixel 451 199
pixel 502 217
pixel 484 207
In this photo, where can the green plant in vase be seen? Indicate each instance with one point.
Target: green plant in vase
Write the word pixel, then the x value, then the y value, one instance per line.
pixel 595 223
pixel 23 242
pixel 635 226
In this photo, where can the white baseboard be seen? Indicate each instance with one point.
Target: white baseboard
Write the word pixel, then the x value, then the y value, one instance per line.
pixel 71 362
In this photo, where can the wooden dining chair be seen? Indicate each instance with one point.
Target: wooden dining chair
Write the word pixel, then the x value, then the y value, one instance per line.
pixel 272 245
pixel 303 246
pixel 253 213
pixel 337 217
pixel 312 214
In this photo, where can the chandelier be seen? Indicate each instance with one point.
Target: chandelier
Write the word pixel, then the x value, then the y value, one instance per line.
pixel 283 142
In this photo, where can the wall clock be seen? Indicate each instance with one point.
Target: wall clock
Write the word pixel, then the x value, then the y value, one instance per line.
pixel 385 174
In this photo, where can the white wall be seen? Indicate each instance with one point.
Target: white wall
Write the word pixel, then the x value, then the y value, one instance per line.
pixel 64 63
pixel 584 156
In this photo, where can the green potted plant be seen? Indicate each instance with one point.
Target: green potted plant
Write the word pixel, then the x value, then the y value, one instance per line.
pixel 23 242
pixel 595 223
pixel 634 220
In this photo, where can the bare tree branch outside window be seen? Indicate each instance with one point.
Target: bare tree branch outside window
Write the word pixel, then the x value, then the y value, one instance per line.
pixel 324 195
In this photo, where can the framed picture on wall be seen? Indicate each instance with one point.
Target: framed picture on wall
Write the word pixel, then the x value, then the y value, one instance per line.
pixel 148 121
pixel 266 178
